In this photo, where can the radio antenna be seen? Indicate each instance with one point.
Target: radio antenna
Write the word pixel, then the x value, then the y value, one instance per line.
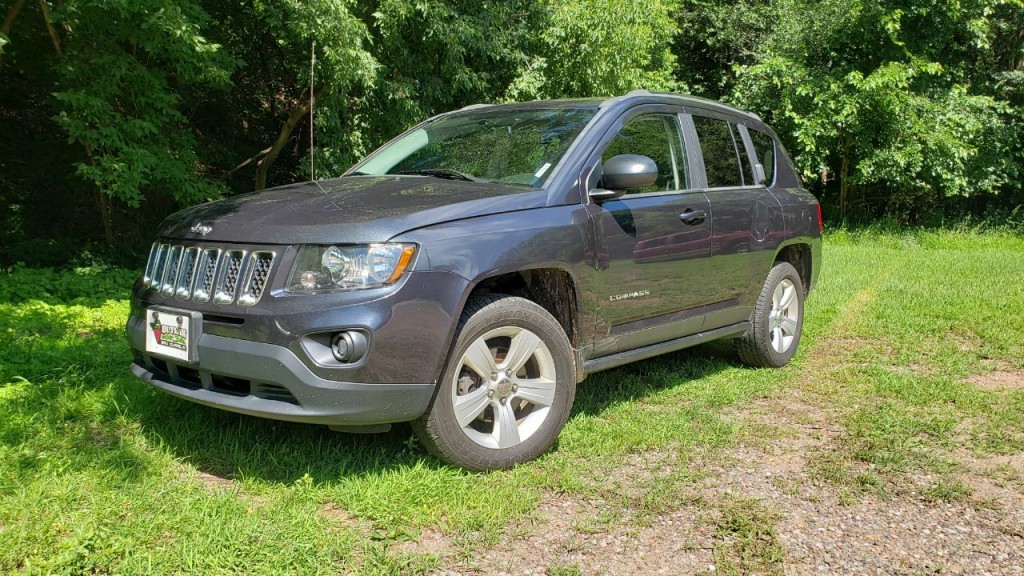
pixel 312 149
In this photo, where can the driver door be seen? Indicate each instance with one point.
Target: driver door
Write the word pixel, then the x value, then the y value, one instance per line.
pixel 656 241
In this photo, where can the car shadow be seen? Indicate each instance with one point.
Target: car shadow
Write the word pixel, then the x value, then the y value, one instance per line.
pixel 638 380
pixel 71 372
pixel 230 446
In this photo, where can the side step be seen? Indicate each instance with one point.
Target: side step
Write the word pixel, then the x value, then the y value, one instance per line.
pixel 620 358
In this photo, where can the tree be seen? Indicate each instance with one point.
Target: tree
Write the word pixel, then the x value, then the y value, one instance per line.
pixel 714 38
pixel 885 94
pixel 124 69
pixel 432 57
pixel 600 48
pixel 274 40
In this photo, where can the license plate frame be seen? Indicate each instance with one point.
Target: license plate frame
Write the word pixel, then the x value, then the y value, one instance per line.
pixel 174 334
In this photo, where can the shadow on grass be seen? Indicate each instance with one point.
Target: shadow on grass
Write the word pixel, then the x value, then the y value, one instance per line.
pixel 229 445
pixel 80 390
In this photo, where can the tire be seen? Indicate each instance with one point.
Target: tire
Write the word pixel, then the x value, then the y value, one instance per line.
pixel 777 321
pixel 512 375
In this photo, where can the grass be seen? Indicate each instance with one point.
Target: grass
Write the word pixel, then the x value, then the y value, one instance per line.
pixel 101 474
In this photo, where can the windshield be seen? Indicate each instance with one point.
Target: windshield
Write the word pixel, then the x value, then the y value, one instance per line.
pixel 508 146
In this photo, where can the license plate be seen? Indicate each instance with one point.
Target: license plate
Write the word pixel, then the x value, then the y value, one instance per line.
pixel 172 333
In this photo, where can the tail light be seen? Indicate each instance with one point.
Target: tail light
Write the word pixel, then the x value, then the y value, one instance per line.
pixel 821 222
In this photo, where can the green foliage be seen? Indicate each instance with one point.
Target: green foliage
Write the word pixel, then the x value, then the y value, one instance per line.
pixel 600 48
pixel 344 71
pixel 884 94
pixel 715 37
pixel 94 283
pixel 899 110
pixel 123 76
pixel 430 57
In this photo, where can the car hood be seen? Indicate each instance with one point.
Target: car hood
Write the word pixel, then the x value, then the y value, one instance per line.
pixel 348 210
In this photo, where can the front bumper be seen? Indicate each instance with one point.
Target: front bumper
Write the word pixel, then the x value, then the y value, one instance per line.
pixel 273 360
pixel 269 381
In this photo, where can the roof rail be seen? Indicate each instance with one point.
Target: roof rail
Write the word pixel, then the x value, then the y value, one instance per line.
pixel 475 106
pixel 693 99
pixel 615 99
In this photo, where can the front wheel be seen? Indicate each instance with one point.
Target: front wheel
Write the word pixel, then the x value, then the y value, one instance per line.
pixel 507 389
pixel 777 321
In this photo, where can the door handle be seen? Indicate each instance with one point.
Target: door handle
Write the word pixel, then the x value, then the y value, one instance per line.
pixel 691 217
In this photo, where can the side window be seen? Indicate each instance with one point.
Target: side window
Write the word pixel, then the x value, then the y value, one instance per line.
pixel 721 160
pixel 657 137
pixel 764 147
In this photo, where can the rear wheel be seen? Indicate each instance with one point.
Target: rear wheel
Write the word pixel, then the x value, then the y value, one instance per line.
pixel 507 389
pixel 777 321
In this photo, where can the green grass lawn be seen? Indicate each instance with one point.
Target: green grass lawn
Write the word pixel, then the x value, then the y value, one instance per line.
pixel 101 474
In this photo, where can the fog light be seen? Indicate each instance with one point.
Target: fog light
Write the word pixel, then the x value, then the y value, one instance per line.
pixel 341 348
pixel 349 347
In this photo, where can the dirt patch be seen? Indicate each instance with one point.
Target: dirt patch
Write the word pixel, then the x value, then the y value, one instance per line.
pixel 215 482
pixel 823 533
pixel 429 541
pixel 965 341
pixel 596 537
pixel 999 380
pixel 343 517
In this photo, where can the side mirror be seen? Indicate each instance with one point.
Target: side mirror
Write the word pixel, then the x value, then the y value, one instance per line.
pixel 628 171
pixel 625 172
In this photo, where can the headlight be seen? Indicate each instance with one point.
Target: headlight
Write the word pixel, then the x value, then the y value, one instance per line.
pixel 333 268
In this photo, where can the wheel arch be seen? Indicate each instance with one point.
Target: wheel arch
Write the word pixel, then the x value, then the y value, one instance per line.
pixel 800 255
pixel 553 288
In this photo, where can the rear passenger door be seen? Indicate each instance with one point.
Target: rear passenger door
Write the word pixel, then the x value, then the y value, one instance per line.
pixel 742 211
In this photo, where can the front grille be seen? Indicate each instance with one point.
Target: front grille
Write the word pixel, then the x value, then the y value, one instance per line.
pixel 199 274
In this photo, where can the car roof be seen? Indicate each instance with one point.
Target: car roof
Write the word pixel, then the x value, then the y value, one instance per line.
pixel 634 97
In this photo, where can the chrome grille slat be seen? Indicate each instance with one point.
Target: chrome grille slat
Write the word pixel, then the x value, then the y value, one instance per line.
pixel 154 251
pixel 257 272
pixel 187 275
pixel 208 267
pixel 158 267
pixel 227 278
pixel 198 273
pixel 171 271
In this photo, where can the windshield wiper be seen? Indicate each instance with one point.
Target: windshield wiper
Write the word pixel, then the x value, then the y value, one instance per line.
pixel 446 173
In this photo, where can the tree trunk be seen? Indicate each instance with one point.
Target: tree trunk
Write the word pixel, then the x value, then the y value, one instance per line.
pixel 245 163
pixel 296 116
pixel 103 203
pixel 12 15
pixel 49 27
pixel 844 173
pixel 106 217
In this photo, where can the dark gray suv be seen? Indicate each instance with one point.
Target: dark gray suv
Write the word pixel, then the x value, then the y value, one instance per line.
pixel 467 275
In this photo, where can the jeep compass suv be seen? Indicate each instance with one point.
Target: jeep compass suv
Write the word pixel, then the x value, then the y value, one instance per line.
pixel 470 273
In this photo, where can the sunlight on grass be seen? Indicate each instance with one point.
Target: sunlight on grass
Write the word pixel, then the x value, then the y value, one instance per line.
pixel 99 473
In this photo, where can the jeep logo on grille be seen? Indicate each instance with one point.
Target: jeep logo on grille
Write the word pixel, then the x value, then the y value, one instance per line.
pixel 201 229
